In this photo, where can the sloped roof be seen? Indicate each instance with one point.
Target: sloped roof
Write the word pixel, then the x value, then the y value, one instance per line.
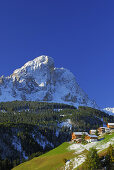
pixel 93 136
pixel 112 124
pixel 80 133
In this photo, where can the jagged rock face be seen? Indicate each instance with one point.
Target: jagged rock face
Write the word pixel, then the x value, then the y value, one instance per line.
pixel 39 80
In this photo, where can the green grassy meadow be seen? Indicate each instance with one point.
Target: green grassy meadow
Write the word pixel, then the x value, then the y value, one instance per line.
pixel 52 160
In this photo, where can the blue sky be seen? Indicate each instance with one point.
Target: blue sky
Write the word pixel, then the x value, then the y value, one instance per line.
pixel 78 34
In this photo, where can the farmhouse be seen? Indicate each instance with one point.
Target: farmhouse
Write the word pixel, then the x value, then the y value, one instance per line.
pixel 102 130
pixel 110 125
pixel 92 132
pixel 107 130
pixel 91 138
pixel 76 136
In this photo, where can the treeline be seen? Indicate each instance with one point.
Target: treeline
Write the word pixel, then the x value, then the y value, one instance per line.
pixel 88 118
pixel 33 106
pixel 8 164
pixel 50 114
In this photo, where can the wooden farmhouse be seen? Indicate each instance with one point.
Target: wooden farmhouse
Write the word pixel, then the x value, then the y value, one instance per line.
pixel 107 130
pixel 110 125
pixel 92 132
pixel 76 137
pixel 91 138
pixel 102 130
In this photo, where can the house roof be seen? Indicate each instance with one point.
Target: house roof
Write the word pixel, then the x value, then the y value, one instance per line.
pixel 93 136
pixel 112 124
pixel 80 133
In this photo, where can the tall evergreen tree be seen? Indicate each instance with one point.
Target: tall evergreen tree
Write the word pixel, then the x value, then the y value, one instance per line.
pixel 92 161
pixel 109 159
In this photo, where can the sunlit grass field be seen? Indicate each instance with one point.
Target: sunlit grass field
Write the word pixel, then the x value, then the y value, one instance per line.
pixel 52 160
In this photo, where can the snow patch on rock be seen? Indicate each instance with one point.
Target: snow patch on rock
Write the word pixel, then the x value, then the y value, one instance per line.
pixel 17 145
pixel 109 110
pixel 66 123
pixel 41 140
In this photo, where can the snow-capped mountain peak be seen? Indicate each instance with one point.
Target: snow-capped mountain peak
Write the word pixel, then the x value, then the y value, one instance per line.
pixel 109 110
pixel 39 80
pixel 34 67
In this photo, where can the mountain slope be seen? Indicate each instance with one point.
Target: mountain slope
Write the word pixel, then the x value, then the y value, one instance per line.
pixel 29 127
pixel 39 80
pixel 73 154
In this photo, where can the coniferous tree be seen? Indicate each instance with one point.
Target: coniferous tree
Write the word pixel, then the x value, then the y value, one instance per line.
pixel 92 161
pixel 97 133
pixel 109 159
pixel 83 138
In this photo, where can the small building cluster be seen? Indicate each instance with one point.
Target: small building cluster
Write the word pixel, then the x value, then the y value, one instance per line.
pixel 108 129
pixel 91 136
pixel 76 137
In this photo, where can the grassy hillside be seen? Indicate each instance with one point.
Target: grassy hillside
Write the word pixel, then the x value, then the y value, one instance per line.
pixel 52 160
pixel 55 159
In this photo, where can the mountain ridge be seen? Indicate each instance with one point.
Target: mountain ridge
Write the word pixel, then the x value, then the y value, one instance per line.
pixel 40 80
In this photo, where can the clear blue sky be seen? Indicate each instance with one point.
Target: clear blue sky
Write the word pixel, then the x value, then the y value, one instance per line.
pixel 78 34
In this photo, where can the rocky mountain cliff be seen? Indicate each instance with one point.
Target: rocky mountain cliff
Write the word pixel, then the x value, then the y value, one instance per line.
pixel 40 80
